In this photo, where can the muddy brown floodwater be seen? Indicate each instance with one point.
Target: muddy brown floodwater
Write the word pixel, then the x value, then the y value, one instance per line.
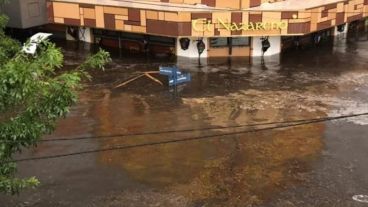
pixel 322 164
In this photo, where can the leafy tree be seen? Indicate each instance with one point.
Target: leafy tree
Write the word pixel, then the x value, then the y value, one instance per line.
pixel 33 95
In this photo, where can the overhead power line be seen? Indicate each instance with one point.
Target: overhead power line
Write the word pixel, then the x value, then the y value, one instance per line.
pixel 182 140
pixel 195 129
pixel 115 136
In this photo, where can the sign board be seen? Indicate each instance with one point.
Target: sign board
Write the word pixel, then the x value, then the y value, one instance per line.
pixel 203 25
pixel 169 71
pixel 175 76
pixel 183 78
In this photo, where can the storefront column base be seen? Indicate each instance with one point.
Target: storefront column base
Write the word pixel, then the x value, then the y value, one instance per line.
pixel 83 34
pixel 340 38
pixel 272 53
pixel 70 34
pixel 190 50
pixel 342 34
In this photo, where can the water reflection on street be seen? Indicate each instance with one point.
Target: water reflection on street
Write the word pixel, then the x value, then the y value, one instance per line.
pixel 284 167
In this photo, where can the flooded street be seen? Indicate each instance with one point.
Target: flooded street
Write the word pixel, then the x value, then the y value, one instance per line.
pixel 320 164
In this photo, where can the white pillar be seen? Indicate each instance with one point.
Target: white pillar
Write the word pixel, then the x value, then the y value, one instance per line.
pixel 272 54
pixel 84 35
pixel 192 51
pixel 339 41
pixel 68 35
pixel 341 34
pixel 275 43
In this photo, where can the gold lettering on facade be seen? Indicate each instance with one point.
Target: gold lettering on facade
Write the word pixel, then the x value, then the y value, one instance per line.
pixel 251 26
pixel 199 25
pixel 204 25
pixel 283 25
pixel 234 27
pixel 225 25
pixel 259 26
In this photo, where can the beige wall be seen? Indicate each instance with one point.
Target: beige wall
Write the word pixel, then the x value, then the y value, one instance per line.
pixel 176 24
pixel 234 4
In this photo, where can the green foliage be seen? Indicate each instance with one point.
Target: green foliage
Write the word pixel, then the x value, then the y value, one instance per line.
pixel 8 46
pixel 33 95
pixel 3 21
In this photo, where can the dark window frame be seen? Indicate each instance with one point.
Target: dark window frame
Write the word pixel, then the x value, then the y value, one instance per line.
pixel 243 45
pixel 229 42
pixel 126 36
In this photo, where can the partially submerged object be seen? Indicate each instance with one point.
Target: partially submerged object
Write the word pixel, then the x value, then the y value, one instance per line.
pixel 144 74
pixel 31 46
pixel 361 198
pixel 175 76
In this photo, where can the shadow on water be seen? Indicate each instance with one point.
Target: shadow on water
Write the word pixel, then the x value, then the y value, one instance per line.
pixel 239 170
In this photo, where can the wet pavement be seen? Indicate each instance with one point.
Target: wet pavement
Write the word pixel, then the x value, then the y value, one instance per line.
pixel 322 164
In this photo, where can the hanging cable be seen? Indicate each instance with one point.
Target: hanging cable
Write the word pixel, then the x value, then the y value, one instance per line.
pixel 180 140
pixel 202 129
pixel 194 129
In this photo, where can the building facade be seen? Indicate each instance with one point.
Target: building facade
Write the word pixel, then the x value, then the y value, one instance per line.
pixel 205 28
pixel 25 13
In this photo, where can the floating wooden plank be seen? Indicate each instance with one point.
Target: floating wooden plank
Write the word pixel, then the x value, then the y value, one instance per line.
pixel 130 80
pixel 154 79
pixel 147 74
pixel 154 72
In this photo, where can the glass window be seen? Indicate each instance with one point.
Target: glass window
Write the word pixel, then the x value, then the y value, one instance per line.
pixel 110 33
pixel 240 41
pixel 287 38
pixel 97 32
pixel 106 33
pixel 132 36
pixel 219 42
pixel 162 40
pixel 224 41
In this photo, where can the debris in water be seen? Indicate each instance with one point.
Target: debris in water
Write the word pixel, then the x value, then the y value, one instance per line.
pixel 175 76
pixel 147 74
pixel 361 198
